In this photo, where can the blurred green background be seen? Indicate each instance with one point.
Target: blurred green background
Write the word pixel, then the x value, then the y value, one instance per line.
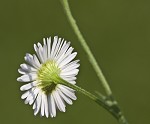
pixel 118 33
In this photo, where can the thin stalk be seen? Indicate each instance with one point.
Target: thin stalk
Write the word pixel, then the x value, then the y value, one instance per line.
pixel 110 106
pixel 86 47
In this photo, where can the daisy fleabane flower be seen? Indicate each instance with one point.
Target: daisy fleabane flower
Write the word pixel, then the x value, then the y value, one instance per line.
pixel 53 61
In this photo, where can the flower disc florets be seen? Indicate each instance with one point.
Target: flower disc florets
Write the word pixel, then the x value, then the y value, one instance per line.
pixel 48 75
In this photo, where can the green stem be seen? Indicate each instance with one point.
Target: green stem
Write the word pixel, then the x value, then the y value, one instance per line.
pixel 85 47
pixel 110 106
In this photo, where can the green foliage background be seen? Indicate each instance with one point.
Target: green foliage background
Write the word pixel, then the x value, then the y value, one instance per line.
pixel 118 32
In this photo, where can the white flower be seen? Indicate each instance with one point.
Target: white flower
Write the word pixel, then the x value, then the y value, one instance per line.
pixel 43 70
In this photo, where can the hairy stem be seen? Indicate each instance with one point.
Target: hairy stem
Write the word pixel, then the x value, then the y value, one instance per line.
pixel 85 47
pixel 110 106
pixel 110 103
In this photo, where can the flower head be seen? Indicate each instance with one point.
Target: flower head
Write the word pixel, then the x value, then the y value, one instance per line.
pixel 53 60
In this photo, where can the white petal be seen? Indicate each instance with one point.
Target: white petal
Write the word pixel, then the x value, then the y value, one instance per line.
pixel 59 49
pixel 49 47
pixel 70 67
pixel 42 105
pixel 28 86
pixel 56 48
pixel 46 105
pixel 72 82
pixel 25 95
pixel 34 106
pixel 29 59
pixel 21 71
pixel 67 99
pixel 35 93
pixel 70 64
pixel 39 45
pixel 67 53
pixel 60 104
pixel 72 72
pixel 44 41
pixel 67 59
pixel 53 47
pixel 38 103
pixel 67 92
pixel 69 79
pixel 62 52
pixel 28 68
pixel 38 52
pixel 37 63
pixel 53 106
pixel 64 47
pixel 30 96
pixel 27 77
pixel 44 50
pixel 70 89
pixel 50 105
pixel 41 53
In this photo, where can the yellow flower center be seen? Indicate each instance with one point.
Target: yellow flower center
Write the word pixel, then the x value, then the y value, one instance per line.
pixel 47 76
